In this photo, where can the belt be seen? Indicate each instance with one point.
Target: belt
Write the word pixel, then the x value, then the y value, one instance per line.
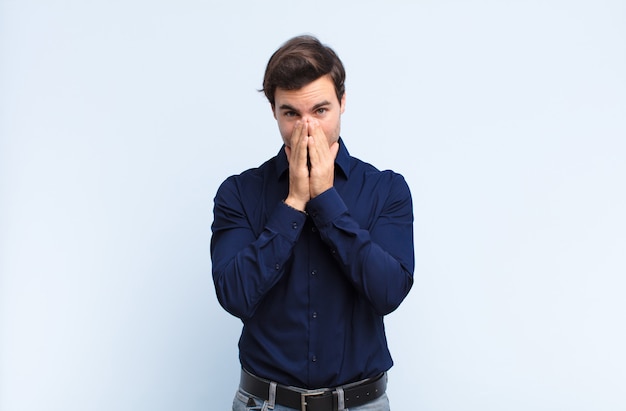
pixel 328 399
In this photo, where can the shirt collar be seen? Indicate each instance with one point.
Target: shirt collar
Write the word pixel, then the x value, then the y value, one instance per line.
pixel 342 161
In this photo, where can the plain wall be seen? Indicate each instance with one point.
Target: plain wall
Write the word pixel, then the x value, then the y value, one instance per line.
pixel 119 119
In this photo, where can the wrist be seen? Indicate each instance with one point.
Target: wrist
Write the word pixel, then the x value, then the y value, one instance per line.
pixel 295 204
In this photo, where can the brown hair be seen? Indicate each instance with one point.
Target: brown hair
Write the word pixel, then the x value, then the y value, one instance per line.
pixel 300 61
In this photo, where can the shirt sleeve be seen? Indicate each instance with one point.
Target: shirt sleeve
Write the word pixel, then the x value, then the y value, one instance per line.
pixel 378 261
pixel 245 265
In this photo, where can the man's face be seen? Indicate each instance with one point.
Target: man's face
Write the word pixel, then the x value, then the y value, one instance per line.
pixel 317 101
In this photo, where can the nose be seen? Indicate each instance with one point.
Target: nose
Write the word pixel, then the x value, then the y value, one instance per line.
pixel 306 121
pixel 310 121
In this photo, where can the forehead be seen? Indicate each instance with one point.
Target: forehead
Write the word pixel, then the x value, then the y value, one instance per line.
pixel 317 91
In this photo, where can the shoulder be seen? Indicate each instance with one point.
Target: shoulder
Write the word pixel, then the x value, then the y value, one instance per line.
pixel 390 178
pixel 249 179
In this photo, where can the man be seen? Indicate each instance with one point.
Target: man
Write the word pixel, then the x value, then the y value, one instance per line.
pixel 311 249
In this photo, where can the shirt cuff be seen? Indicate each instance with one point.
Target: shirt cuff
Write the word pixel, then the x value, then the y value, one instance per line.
pixel 287 221
pixel 326 207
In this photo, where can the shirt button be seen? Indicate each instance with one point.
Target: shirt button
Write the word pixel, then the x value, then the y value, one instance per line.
pixel 314 314
pixel 314 358
pixel 314 229
pixel 314 272
pixel 294 225
pixel 277 266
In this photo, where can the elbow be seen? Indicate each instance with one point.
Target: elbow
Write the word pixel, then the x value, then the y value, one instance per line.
pixel 394 296
pixel 232 299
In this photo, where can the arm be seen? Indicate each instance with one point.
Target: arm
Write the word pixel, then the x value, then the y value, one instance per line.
pixel 246 263
pixel 378 261
pixel 247 266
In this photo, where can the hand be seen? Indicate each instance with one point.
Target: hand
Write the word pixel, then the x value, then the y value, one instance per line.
pixel 322 157
pixel 299 190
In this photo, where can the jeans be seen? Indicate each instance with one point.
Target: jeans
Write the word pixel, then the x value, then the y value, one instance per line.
pixel 240 403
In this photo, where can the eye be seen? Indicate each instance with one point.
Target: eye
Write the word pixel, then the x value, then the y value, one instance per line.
pixel 322 110
pixel 290 114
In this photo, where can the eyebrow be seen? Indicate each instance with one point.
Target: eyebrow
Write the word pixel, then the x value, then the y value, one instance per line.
pixel 322 104
pixel 315 107
pixel 287 107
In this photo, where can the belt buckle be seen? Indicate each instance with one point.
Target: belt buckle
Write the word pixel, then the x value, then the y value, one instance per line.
pixel 305 395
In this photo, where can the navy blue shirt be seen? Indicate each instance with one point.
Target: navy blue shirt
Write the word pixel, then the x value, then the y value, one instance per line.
pixel 312 289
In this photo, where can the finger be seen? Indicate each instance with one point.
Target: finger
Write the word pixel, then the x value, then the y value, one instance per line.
pixel 293 140
pixel 300 154
pixel 318 148
pixel 296 133
pixel 315 130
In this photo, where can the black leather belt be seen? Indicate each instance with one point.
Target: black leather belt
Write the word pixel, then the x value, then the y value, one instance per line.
pixel 323 400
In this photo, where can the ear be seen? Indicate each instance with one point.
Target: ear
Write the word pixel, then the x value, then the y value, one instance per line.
pixel 273 111
pixel 343 102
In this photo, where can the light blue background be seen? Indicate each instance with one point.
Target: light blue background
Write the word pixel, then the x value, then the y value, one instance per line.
pixel 119 119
